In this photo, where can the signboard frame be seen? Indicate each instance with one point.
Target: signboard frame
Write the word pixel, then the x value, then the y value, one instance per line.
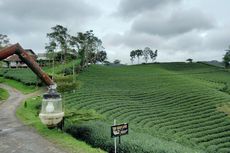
pixel 120 129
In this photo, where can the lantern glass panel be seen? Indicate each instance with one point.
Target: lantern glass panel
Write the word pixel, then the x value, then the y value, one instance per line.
pixel 51 105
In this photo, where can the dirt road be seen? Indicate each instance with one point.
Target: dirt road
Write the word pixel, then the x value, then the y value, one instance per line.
pixel 14 136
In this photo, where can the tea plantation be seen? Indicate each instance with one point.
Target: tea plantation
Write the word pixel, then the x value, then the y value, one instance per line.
pixel 170 107
pixel 173 104
pixel 24 75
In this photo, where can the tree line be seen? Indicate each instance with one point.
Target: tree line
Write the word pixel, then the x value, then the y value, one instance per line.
pixel 4 41
pixel 226 58
pixel 63 46
pixel 147 54
pixel 85 45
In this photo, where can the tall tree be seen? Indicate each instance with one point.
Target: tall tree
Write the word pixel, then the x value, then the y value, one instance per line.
pixel 226 58
pixel 138 53
pixel 153 55
pixel 97 57
pixel 4 41
pixel 88 44
pixel 60 37
pixel 146 54
pixel 50 51
pixel 132 55
pixel 101 56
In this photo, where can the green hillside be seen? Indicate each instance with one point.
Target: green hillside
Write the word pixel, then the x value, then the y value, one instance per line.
pixel 24 75
pixel 27 76
pixel 179 102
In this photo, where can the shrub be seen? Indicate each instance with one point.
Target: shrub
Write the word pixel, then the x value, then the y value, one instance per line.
pixel 67 71
pixel 63 78
pixel 97 134
pixel 67 86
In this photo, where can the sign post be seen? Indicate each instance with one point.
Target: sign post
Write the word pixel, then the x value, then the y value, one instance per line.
pixel 115 139
pixel 118 131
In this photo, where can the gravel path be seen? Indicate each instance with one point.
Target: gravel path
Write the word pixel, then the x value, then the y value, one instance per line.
pixel 14 136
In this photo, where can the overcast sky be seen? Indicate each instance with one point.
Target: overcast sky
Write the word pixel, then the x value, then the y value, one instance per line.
pixel 179 29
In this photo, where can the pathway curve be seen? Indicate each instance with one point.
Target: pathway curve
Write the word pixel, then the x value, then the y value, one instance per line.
pixel 16 137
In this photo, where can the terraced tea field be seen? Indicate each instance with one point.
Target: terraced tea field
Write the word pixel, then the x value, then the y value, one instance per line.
pixel 24 75
pixel 178 102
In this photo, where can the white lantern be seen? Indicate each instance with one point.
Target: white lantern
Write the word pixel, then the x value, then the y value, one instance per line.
pixel 51 112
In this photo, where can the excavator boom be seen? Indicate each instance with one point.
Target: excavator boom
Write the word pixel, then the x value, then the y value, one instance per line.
pixel 51 113
pixel 28 60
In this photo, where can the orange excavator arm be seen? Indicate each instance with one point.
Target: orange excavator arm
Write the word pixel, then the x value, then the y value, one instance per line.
pixel 29 61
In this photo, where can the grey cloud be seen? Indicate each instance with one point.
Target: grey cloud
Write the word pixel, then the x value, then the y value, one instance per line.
pixel 35 40
pixel 23 16
pixel 160 24
pixel 47 9
pixel 131 8
pixel 191 41
pixel 218 39
pixel 178 22
pixel 179 48
pixel 112 39
pixel 199 46
pixel 132 40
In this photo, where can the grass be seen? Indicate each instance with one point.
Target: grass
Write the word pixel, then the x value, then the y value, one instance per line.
pixel 29 115
pixel 178 102
pixel 18 85
pixel 3 94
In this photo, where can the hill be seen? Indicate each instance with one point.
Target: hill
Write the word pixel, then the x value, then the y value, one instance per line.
pixel 178 102
pixel 214 63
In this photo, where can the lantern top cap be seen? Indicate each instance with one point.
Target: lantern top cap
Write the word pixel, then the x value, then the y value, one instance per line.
pixel 51 94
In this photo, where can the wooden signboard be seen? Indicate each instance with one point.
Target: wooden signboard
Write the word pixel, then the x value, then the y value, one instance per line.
pixel 119 130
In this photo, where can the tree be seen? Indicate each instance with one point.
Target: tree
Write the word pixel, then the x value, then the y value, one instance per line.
pixel 226 58
pixel 116 61
pixel 92 57
pixel 4 41
pixel 50 52
pixel 132 55
pixel 189 60
pixel 138 53
pixel 153 55
pixel 88 45
pixel 59 39
pixel 146 54
pixel 107 63
pixel 101 56
pixel 97 57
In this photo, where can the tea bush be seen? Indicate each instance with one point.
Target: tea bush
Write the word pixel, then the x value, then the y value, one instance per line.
pixel 170 101
pixel 98 134
pixel 24 75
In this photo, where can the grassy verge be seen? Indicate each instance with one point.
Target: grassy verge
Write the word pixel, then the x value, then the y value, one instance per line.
pixel 29 115
pixel 3 94
pixel 18 85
